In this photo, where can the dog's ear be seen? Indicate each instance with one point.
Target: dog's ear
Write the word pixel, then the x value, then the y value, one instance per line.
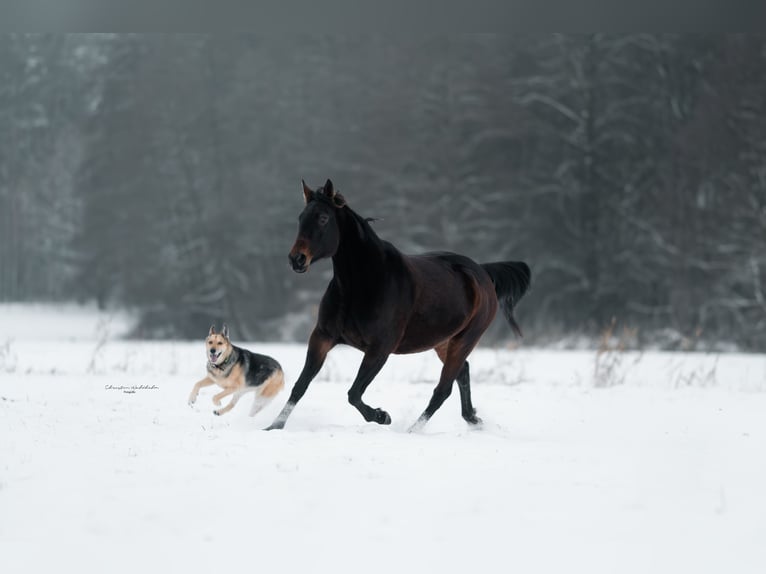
pixel 225 331
pixel 212 330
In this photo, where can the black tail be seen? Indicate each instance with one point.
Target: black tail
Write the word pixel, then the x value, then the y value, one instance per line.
pixel 512 280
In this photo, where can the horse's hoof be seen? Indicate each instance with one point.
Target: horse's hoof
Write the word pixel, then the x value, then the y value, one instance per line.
pixel 382 417
pixel 418 426
pixel 473 420
pixel 275 426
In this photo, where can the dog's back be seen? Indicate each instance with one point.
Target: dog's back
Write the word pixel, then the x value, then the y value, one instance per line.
pixel 262 372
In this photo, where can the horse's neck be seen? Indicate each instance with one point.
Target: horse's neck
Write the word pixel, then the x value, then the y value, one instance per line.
pixel 359 261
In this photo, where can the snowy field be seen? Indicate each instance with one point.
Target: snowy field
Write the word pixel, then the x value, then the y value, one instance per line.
pixel 618 463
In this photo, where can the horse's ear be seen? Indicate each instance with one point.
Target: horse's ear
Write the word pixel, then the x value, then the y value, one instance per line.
pixel 212 330
pixel 225 331
pixel 329 189
pixel 306 192
pixel 331 193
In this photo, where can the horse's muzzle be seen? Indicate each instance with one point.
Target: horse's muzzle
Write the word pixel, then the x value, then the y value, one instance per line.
pixel 299 262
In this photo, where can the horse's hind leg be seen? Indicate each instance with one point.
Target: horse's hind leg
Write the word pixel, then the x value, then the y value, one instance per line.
pixel 463 379
pixel 441 392
pixel 454 359
pixel 464 386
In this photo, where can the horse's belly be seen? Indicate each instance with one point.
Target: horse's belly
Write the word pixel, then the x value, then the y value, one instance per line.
pixel 426 332
pixel 407 347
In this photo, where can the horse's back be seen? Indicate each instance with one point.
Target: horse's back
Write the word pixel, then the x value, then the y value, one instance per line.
pixel 445 268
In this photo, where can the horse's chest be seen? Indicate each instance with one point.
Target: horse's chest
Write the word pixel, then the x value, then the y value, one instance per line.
pixel 366 317
pixel 352 333
pixel 353 329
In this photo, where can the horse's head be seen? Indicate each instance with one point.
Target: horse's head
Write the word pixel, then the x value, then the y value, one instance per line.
pixel 318 231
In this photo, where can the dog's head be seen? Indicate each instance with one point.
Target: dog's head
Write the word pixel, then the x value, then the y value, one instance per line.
pixel 217 345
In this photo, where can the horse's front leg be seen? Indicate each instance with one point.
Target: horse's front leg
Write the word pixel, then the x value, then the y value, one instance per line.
pixel 319 345
pixel 372 363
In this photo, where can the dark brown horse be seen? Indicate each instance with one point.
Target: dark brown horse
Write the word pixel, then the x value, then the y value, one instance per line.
pixel 382 301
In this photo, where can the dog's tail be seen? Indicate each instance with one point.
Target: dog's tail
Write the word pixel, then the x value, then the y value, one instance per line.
pixel 512 280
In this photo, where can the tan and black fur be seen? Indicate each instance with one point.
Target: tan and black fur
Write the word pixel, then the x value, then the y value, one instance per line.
pixel 238 371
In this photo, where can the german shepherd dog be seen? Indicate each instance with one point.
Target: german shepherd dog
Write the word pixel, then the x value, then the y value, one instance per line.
pixel 238 371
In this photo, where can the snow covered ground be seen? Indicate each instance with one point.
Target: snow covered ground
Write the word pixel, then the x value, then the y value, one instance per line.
pixel 653 462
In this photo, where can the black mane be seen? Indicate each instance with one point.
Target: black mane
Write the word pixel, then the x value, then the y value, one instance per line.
pixel 363 224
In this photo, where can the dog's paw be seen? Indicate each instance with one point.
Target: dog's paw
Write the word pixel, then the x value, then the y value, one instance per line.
pixel 217 413
pixel 192 401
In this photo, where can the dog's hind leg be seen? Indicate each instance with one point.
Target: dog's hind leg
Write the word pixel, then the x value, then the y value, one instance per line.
pixel 265 392
pixel 259 402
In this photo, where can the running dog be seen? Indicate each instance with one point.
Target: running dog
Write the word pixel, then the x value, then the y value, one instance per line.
pixel 238 371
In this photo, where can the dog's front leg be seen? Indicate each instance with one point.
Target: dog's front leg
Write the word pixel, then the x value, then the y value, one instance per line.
pixel 224 393
pixel 232 402
pixel 206 382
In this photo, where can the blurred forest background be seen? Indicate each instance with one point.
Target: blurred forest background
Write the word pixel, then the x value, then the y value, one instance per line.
pixel 161 173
